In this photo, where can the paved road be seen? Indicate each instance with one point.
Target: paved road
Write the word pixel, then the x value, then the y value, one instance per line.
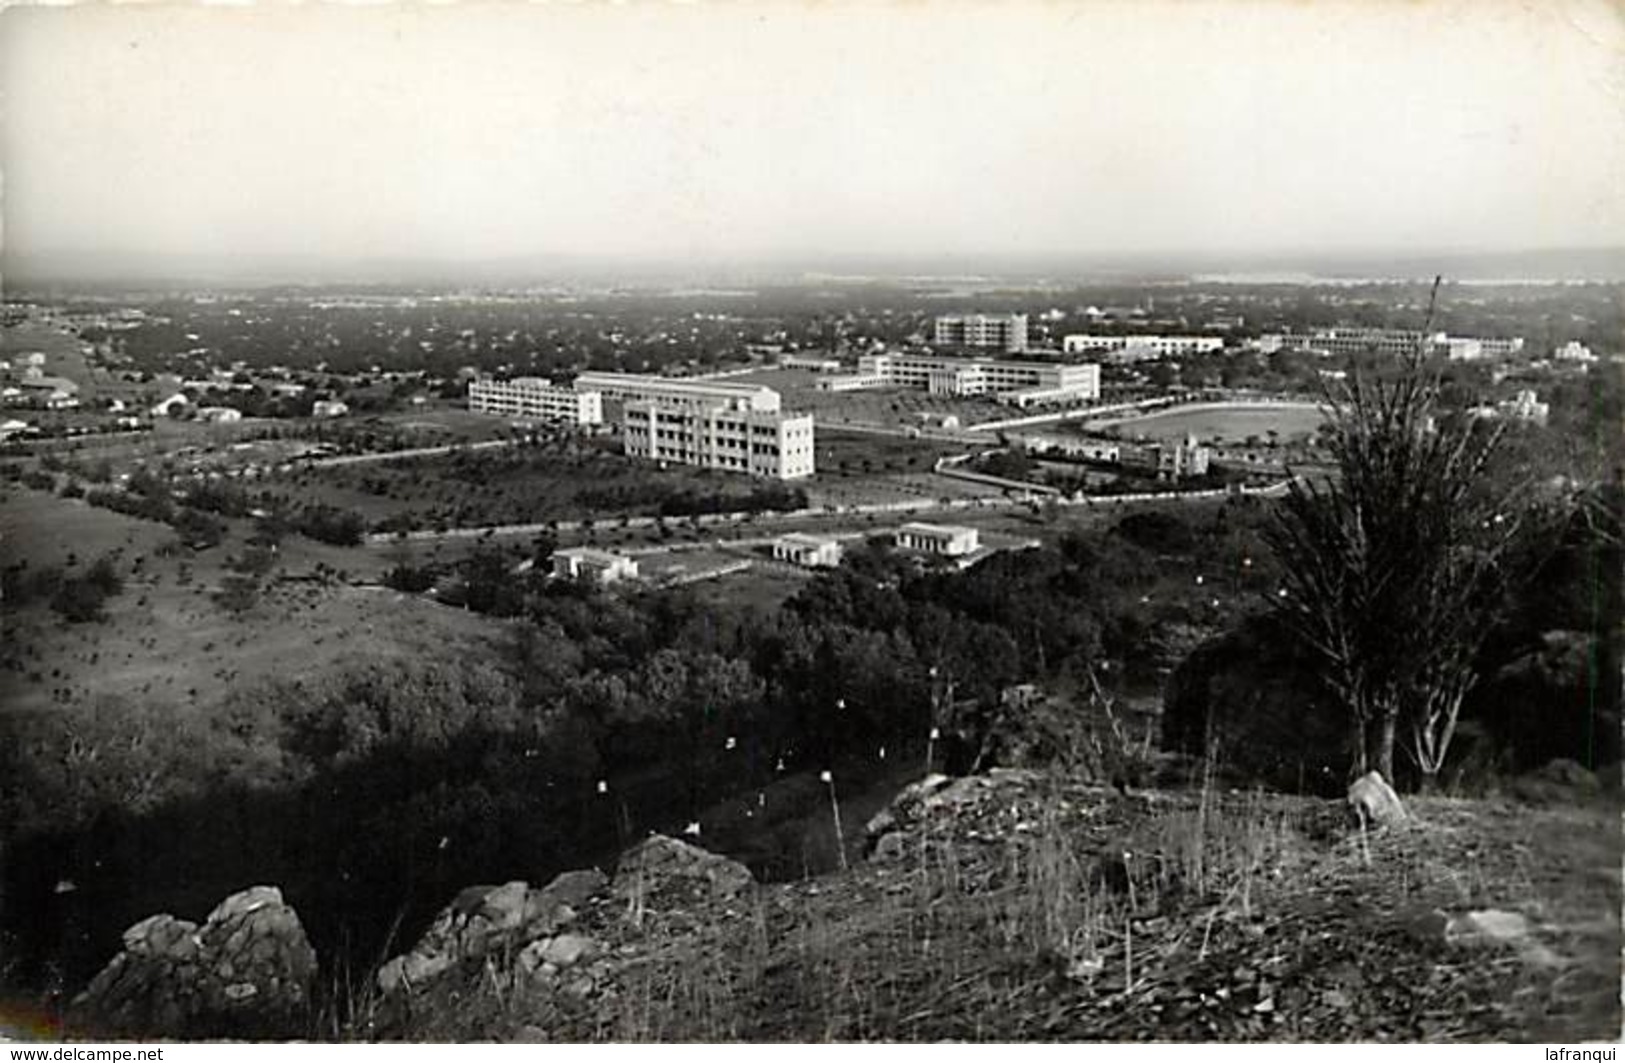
pixel 832 514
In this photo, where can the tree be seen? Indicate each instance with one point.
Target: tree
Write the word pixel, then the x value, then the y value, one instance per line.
pixel 1394 567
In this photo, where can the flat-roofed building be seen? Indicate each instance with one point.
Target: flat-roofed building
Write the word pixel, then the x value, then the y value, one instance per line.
pixel 1024 382
pixel 678 392
pixel 766 443
pixel 808 551
pixel 592 565
pixel 533 397
pixel 1346 340
pixel 1007 332
pixel 817 363
pixel 1142 348
pixel 948 540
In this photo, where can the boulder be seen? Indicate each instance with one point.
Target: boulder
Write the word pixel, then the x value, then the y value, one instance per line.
pixel 1373 801
pixel 665 870
pixel 247 972
pixel 484 921
pixel 566 950
pixel 907 808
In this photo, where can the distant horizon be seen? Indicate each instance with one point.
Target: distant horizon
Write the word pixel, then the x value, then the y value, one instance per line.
pixel 1601 263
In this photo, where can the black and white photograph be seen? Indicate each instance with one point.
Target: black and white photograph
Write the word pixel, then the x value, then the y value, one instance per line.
pixel 945 522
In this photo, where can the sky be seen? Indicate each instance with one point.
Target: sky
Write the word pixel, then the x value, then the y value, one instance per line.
pixel 468 132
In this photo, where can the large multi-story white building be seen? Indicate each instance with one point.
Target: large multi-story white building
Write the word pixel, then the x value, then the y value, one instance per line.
pixel 1018 383
pixel 1142 348
pixel 1007 332
pixel 1389 341
pixel 759 442
pixel 679 392
pixel 530 396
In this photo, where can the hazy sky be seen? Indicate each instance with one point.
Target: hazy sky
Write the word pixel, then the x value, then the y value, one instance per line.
pixel 469 131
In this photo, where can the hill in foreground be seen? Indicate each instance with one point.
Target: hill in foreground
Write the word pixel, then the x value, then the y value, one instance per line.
pixel 1022 906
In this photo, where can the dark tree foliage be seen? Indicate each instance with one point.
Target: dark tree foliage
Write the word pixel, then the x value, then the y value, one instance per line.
pixel 1396 565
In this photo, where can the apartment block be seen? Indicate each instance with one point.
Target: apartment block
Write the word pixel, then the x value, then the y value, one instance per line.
pixel 537 398
pixel 1344 341
pixel 680 392
pixel 1006 332
pixel 1018 383
pixel 1142 348
pixel 767 443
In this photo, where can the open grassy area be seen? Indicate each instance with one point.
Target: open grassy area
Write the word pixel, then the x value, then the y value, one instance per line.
pixel 166 638
pixel 570 480
pixel 64 352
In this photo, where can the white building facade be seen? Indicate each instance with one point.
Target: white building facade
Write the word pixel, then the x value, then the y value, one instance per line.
pixel 595 566
pixel 533 397
pixel 1143 348
pixel 768 443
pixel 679 393
pixel 1005 332
pixel 1020 383
pixel 808 551
pixel 947 540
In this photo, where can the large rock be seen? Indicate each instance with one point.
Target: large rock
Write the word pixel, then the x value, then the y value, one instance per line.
pixel 907 808
pixel 490 920
pixel 664 871
pixel 246 972
pixel 1373 801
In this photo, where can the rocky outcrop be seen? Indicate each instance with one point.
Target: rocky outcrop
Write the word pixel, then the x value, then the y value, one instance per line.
pixel 545 936
pixel 1372 801
pixel 664 872
pixel 246 972
pixel 491 920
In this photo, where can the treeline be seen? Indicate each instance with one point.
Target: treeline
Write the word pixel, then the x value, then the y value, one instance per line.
pixel 692 501
pixel 194 508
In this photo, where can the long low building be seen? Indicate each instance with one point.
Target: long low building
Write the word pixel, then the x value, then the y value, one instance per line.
pixel 951 540
pixel 1021 383
pixel 1360 340
pixel 678 392
pixel 530 396
pixel 767 443
pixel 1143 347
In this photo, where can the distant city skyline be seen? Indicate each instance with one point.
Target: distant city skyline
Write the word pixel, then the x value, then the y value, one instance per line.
pixel 342 140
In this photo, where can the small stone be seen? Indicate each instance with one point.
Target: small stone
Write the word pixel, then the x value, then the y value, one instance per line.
pixel 891 846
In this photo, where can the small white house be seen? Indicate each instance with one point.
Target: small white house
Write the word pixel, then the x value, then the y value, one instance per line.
pixel 597 566
pixel 808 551
pixel 219 414
pixel 329 408
pixel 947 540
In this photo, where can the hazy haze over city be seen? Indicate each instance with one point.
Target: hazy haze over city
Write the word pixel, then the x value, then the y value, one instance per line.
pixel 332 135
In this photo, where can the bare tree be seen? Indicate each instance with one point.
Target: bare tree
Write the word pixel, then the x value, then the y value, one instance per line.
pixel 1396 562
